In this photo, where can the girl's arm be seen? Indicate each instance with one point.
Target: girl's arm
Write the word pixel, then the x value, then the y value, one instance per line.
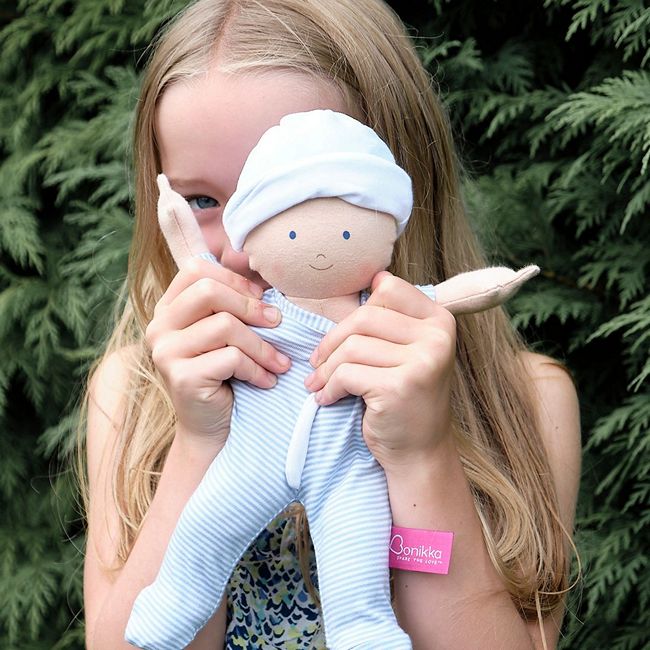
pixel 469 607
pixel 558 414
pixel 109 596
pixel 199 337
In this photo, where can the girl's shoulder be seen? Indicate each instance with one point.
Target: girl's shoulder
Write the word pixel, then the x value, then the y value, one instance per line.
pixel 104 405
pixel 554 392
pixel 558 417
pixel 542 366
pixel 109 380
pixel 556 399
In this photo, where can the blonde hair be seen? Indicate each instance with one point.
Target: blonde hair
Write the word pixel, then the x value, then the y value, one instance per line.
pixel 363 48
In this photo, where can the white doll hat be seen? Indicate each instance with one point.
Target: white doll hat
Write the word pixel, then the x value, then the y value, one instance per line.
pixel 312 155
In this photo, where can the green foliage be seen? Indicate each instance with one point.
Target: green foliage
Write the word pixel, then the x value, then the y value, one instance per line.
pixel 69 74
pixel 551 105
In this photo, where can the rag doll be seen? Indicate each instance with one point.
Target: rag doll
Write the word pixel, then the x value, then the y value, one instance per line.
pixel 318 207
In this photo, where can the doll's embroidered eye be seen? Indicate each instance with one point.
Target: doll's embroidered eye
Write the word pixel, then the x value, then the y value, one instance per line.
pixel 292 234
pixel 346 234
pixel 202 202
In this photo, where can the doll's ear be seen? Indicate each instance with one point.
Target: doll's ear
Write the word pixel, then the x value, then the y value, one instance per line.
pixel 178 224
pixel 474 291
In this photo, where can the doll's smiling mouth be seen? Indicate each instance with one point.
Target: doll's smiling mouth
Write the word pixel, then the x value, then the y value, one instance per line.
pixel 321 268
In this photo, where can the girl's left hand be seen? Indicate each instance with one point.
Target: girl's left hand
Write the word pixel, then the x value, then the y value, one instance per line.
pixel 396 352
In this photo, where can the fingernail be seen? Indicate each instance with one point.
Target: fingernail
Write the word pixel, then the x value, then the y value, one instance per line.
pixel 272 314
pixel 309 380
pixel 273 380
pixel 282 359
pixel 319 397
pixel 313 359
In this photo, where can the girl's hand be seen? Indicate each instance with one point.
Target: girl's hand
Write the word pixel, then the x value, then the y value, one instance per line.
pixel 397 352
pixel 199 338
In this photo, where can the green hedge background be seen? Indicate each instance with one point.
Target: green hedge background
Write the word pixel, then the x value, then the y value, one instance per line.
pixel 550 100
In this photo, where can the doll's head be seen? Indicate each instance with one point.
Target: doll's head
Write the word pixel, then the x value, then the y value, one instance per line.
pixel 319 205
pixel 322 248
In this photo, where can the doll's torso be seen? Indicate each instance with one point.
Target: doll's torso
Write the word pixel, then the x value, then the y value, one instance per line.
pixel 269 605
pixel 265 418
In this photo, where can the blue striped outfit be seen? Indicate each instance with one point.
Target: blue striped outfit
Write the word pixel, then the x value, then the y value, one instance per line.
pixel 342 487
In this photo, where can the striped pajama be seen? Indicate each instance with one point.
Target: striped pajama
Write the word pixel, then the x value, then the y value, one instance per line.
pixel 342 488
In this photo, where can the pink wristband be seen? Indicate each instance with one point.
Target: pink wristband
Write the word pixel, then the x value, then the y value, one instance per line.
pixel 414 549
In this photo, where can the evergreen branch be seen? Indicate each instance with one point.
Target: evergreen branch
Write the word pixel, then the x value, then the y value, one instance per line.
pixel 637 204
pixel 59 438
pixel 436 52
pixel 620 106
pixel 636 320
pixel 19 233
pixel 632 417
pixel 631 23
pixel 586 13
pixel 639 380
pixel 12 480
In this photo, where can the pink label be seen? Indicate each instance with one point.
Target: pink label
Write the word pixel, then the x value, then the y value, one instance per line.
pixel 413 549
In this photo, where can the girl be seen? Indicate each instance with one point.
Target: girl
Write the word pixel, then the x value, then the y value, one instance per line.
pixel 475 434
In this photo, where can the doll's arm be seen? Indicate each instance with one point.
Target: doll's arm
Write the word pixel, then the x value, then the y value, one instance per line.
pixel 482 289
pixel 179 226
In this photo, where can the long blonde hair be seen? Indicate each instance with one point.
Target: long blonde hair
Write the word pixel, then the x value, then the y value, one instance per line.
pixel 362 47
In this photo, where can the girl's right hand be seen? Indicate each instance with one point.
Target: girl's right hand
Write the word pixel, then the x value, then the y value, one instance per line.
pixel 199 338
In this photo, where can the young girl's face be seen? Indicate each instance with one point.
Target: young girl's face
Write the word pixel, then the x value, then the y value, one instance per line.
pixel 206 127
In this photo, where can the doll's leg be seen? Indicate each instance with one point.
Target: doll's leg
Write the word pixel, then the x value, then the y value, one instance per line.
pixel 350 527
pixel 224 515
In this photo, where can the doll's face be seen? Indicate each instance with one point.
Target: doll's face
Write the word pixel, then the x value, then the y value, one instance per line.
pixel 322 248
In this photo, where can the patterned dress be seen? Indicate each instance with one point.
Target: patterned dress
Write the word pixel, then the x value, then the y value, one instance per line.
pixel 269 605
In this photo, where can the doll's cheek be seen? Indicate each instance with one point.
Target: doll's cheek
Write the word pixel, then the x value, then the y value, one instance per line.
pixel 273 271
pixel 279 269
pixel 369 269
pixel 258 261
pixel 359 273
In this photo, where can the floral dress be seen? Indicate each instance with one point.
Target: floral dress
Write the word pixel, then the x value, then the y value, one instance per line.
pixel 269 605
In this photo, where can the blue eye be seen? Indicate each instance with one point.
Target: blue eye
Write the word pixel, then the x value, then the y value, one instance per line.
pixel 346 234
pixel 292 234
pixel 202 202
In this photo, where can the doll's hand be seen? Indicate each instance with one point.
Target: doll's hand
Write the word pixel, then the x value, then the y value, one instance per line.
pixel 397 352
pixel 199 338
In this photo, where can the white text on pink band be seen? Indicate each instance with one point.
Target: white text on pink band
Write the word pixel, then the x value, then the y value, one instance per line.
pixel 414 549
